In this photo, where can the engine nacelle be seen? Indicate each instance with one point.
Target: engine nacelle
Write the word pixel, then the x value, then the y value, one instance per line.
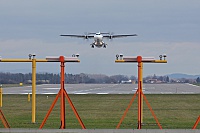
pixel 86 37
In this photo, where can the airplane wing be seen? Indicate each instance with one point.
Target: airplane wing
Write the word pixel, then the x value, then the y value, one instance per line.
pixel 118 36
pixel 79 36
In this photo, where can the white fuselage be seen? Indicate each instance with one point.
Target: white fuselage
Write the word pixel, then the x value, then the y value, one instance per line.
pixel 98 40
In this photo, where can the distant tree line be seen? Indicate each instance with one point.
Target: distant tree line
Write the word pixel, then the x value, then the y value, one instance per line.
pixel 50 78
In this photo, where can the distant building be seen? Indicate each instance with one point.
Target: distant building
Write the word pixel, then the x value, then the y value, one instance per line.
pixel 152 81
pixel 126 82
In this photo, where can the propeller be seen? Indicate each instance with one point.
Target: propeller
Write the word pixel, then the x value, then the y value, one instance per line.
pixel 111 35
pixel 86 35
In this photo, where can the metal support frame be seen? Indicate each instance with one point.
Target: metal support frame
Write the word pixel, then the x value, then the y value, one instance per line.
pixel 33 61
pixel 3 119
pixel 140 62
pixel 33 89
pixel 62 94
pixel 196 123
pixel 139 59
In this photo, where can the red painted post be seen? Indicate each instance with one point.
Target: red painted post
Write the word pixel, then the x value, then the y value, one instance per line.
pixel 3 119
pixel 62 98
pixel 196 123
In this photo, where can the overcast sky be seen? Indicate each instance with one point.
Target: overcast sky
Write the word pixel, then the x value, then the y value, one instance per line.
pixel 169 27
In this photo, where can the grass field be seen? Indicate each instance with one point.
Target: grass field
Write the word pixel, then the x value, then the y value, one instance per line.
pixel 104 111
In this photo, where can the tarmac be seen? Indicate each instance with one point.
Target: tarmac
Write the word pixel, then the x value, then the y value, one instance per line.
pixel 180 88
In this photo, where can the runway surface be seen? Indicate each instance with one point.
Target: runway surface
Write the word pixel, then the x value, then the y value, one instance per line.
pixel 107 89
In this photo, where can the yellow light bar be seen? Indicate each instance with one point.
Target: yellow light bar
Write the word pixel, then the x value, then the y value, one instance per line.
pixel 118 61
pixel 16 60
pixel 22 60
pixel 160 61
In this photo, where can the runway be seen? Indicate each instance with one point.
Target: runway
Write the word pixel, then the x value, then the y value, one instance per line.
pixel 107 89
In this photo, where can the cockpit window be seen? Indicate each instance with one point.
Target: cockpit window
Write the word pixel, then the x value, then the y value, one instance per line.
pixel 97 33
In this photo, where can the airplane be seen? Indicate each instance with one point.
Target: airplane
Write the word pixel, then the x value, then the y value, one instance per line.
pixel 98 38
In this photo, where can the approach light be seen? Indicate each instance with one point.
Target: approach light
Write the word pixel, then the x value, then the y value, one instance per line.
pixel 33 55
pixel 117 56
pixel 164 55
pixel 30 55
pixel 77 55
pixel 160 57
pixel 121 56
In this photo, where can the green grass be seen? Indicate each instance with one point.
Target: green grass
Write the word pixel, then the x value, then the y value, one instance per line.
pixel 104 111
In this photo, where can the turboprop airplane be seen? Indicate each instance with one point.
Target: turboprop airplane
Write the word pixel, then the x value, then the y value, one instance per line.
pixel 98 38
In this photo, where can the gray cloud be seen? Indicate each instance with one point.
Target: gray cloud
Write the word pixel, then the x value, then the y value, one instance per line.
pixel 170 27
